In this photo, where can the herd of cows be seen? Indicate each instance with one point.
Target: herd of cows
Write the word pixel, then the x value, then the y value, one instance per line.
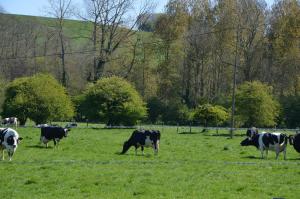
pixel 263 141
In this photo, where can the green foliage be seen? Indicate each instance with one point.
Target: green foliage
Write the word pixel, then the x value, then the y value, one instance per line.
pixel 210 115
pixel 176 112
pixel 155 109
pixel 2 89
pixel 255 105
pixel 40 98
pixel 291 111
pixel 113 101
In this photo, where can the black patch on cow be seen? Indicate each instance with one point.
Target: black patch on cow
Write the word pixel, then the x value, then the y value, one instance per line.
pixel 295 141
pixel 10 140
pixel 2 134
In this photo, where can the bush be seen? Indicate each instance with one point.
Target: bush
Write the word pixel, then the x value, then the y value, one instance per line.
pixel 176 113
pixel 155 109
pixel 255 105
pixel 291 111
pixel 40 98
pixel 210 115
pixel 113 101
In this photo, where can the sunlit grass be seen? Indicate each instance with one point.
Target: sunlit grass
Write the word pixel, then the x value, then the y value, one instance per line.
pixel 197 165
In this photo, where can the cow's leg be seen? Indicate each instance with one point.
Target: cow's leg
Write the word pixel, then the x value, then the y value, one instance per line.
pixel 267 153
pixel 262 153
pixel 54 143
pixel 284 152
pixel 136 148
pixel 155 148
pixel 2 154
pixel 142 148
pixel 277 148
pixel 10 154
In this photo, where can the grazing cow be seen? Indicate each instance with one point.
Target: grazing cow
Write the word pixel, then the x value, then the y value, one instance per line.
pixel 54 133
pixel 295 141
pixel 41 125
pixel 10 121
pixel 9 140
pixel 143 138
pixel 267 141
pixel 71 125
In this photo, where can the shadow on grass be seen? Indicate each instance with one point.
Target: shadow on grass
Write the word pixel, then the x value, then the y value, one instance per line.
pixel 211 134
pixel 252 157
pixel 39 147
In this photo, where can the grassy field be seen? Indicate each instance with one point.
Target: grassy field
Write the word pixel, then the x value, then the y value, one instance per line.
pixel 197 165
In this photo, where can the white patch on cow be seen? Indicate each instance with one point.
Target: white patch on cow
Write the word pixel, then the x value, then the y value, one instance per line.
pixel 44 140
pixel 148 141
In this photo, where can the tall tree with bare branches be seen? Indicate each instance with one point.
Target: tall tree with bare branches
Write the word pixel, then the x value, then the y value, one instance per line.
pixel 112 27
pixel 60 10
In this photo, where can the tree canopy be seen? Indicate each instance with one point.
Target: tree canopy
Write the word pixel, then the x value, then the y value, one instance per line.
pixel 40 98
pixel 114 101
pixel 256 106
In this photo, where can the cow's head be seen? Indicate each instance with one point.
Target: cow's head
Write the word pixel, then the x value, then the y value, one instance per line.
pixel 126 146
pixel 251 132
pixel 291 139
pixel 12 144
pixel 246 142
pixel 155 137
pixel 66 130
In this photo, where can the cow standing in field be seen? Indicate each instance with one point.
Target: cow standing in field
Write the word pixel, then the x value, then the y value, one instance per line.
pixel 9 140
pixel 10 121
pixel 266 141
pixel 295 141
pixel 54 133
pixel 143 138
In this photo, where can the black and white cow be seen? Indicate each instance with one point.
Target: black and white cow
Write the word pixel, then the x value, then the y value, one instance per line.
pixel 9 140
pixel 295 141
pixel 143 138
pixel 54 133
pixel 10 121
pixel 266 141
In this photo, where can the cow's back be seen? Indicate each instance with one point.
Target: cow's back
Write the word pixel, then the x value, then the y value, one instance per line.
pixel 51 132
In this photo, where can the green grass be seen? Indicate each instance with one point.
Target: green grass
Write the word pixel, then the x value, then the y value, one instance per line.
pixel 87 165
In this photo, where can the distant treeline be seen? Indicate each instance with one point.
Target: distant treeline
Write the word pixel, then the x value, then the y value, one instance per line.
pixel 182 58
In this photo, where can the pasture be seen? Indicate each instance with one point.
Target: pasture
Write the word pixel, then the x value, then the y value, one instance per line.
pixel 197 165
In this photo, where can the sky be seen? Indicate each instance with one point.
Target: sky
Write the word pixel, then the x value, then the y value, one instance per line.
pixel 36 7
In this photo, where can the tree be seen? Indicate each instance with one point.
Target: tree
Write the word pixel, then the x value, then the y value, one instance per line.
pixel 61 9
pixel 284 41
pixel 210 115
pixel 2 89
pixel 256 106
pixel 40 98
pixel 291 111
pixel 109 19
pixel 113 101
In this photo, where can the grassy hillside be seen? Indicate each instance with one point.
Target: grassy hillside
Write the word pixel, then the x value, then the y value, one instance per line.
pixel 87 165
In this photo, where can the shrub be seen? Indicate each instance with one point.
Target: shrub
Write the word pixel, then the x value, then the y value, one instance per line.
pixel 113 101
pixel 40 98
pixel 210 115
pixel 255 105
pixel 291 111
